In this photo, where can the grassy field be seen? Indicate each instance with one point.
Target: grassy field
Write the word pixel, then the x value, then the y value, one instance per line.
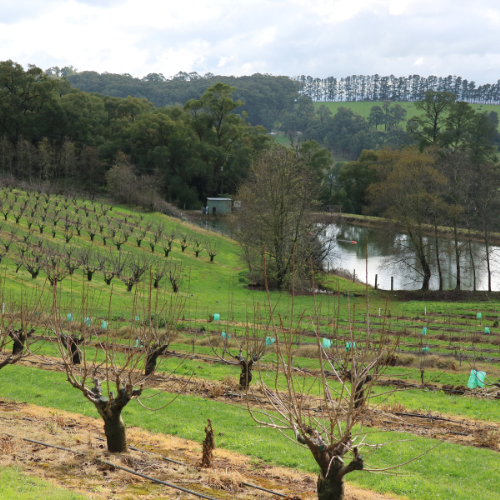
pixel 222 287
pixel 437 475
pixel 363 108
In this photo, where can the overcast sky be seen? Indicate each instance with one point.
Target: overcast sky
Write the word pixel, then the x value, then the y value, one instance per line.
pixel 240 37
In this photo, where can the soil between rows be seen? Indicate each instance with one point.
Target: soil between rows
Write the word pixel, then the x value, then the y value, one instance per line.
pixel 84 475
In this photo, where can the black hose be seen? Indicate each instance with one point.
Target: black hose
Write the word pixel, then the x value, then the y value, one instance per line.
pixel 130 471
pixel 181 463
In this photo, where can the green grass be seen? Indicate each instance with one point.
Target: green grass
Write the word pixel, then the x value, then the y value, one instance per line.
pixel 414 399
pixel 363 108
pixel 220 287
pixel 448 472
pixel 15 485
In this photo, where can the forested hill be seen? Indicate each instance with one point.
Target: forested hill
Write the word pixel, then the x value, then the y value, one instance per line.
pixel 265 96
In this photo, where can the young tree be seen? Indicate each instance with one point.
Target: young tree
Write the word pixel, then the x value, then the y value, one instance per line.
pixel 212 247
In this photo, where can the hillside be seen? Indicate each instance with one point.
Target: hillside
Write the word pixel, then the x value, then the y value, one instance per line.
pixel 363 108
pixel 205 385
pixel 265 96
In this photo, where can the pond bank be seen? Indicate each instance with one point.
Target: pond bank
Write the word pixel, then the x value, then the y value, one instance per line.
pixel 381 223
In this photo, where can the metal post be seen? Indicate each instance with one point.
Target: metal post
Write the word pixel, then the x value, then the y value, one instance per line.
pixel 376 280
pixel 392 283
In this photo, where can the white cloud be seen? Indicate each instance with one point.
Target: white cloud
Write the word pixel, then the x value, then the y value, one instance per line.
pixel 320 38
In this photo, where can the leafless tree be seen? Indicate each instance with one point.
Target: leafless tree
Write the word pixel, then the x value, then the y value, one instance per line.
pixel 111 265
pixel 18 322
pixel 119 239
pixel 70 258
pixel 175 275
pixel 78 225
pixel 87 257
pixel 326 414
pixel 9 240
pixel 159 270
pixel 134 270
pixel 55 272
pixel 212 247
pixel 249 343
pixel 197 242
pixel 139 235
pixel 33 261
pixel 91 230
pixel 110 384
pixel 184 240
pixel 167 241
pixel 5 210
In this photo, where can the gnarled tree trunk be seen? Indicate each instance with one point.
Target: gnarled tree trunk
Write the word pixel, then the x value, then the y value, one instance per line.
pixel 115 430
pixel 110 411
pixel 330 459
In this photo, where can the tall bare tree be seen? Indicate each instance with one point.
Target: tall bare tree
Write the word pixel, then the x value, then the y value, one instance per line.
pixel 278 201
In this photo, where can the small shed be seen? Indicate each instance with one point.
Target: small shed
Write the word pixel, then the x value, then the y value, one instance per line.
pixel 219 206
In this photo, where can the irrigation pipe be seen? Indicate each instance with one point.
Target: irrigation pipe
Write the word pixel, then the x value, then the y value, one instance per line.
pixel 187 465
pixel 130 471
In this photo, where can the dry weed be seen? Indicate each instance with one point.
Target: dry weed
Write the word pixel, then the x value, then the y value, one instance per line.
pixel 209 342
pixel 216 390
pixel 7 445
pixel 227 480
pixel 405 360
pixel 307 351
pixel 444 363
pixel 231 382
pixel 490 439
pixel 393 408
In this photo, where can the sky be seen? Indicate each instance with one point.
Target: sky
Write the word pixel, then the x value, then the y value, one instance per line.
pixel 319 38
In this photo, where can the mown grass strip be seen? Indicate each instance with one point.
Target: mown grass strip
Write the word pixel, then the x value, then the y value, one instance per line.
pixel 448 472
pixel 15 485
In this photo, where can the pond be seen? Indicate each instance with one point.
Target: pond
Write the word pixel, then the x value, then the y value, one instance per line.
pixel 384 251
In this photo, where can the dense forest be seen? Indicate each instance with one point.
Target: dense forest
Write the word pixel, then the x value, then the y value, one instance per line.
pixel 265 96
pixel 392 88
pixel 53 132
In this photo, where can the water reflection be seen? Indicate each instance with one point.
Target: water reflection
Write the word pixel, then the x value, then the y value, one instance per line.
pixel 389 255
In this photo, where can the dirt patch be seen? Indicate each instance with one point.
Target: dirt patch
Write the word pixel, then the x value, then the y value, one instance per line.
pixel 84 475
